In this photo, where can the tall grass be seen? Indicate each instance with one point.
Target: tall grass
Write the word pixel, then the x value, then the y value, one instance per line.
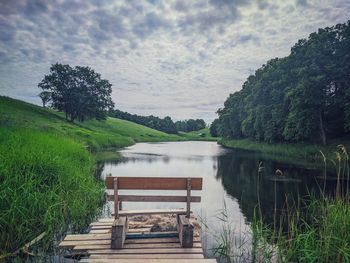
pixel 46 184
pixel 312 229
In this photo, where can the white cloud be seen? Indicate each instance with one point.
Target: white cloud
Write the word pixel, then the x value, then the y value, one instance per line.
pixel 177 58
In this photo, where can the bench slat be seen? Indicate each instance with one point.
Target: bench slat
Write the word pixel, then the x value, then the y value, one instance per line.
pixel 154 198
pixel 151 212
pixel 154 183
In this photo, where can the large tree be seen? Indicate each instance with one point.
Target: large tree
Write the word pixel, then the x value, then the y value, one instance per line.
pixel 79 92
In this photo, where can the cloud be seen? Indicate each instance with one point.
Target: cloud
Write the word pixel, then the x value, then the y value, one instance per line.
pixel 179 58
pixel 302 2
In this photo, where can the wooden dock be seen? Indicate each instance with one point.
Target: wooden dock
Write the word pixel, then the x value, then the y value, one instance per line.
pixel 123 239
pixel 141 245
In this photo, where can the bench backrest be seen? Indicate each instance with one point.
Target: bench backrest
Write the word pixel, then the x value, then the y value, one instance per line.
pixel 153 183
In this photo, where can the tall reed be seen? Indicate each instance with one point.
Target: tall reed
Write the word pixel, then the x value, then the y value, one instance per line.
pixel 310 229
pixel 46 184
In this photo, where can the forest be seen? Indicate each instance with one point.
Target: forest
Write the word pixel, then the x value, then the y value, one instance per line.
pixel 162 124
pixel 304 97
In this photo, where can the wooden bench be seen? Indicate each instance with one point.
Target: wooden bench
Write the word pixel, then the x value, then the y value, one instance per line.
pixel 120 225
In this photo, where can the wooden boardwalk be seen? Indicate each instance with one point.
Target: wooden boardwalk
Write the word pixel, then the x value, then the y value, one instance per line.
pixel 141 245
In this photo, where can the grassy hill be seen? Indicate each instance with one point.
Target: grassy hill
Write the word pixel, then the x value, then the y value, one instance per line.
pixel 15 114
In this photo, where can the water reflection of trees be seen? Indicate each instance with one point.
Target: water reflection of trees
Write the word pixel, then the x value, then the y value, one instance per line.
pixel 239 175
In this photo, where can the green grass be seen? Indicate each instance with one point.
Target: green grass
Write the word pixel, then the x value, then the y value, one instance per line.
pixel 295 153
pixel 96 135
pixel 201 135
pixel 319 233
pixel 46 183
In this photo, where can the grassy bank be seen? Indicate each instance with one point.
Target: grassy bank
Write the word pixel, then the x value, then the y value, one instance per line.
pixel 47 170
pixel 46 183
pixel 298 152
pixel 201 135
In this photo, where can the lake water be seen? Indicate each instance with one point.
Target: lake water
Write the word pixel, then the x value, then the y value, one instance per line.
pixel 230 183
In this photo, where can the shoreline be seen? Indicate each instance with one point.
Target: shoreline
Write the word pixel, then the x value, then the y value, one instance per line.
pixel 308 155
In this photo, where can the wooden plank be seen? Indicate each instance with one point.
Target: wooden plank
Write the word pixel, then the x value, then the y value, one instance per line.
pixel 154 183
pixel 100 231
pixel 185 229
pixel 130 230
pixel 154 198
pixel 115 197
pixel 152 235
pixel 148 251
pixel 148 256
pixel 177 260
pixel 119 230
pixel 157 240
pixel 129 243
pixel 94 227
pixel 151 212
pixel 131 224
pixel 188 198
pixel 85 247
pixel 73 243
pixel 144 239
pixel 87 237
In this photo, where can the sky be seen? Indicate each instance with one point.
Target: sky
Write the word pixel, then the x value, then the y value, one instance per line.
pixel 177 58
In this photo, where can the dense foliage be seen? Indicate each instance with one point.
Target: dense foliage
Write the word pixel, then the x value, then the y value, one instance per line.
pixel 304 97
pixel 214 128
pixel 190 125
pixel 166 124
pixel 79 92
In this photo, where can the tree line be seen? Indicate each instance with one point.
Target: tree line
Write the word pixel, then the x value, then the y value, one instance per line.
pixel 161 124
pixel 304 97
pixel 166 124
pixel 190 125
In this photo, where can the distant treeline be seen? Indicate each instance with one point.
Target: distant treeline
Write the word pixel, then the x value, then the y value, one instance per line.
pixel 304 97
pixel 190 125
pixel 166 124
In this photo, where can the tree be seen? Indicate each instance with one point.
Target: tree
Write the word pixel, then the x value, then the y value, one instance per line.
pixel 79 92
pixel 214 128
pixel 45 97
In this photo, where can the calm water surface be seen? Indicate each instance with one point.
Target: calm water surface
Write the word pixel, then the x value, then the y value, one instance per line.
pixel 231 183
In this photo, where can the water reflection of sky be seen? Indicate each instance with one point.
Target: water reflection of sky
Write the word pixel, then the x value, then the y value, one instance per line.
pixel 184 159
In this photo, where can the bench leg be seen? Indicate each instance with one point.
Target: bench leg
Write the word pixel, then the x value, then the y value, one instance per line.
pixel 119 231
pixel 185 229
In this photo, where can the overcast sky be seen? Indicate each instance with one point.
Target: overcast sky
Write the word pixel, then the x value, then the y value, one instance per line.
pixel 176 58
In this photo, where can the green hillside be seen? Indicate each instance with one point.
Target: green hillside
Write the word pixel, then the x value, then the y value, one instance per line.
pixel 113 132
